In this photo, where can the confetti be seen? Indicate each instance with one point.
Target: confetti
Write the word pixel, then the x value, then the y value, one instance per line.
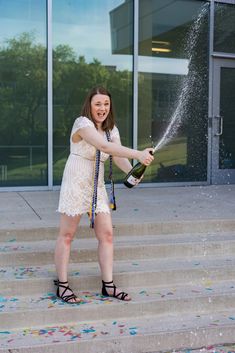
pixel 143 292
pixel 88 330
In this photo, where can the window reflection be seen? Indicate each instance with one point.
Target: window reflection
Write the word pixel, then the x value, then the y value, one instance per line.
pixel 23 92
pixel 86 40
pixel 224 28
pixel 168 67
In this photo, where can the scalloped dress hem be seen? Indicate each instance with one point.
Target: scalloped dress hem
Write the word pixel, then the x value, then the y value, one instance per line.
pixel 72 214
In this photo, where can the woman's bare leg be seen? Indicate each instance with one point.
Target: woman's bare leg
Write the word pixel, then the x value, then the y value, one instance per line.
pixel 68 227
pixel 104 234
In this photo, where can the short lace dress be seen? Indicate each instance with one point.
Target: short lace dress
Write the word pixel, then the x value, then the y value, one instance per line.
pixel 77 182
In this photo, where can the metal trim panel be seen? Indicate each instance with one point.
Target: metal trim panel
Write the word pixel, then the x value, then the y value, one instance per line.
pixel 229 2
pixel 223 55
pixel 210 91
pixel 23 188
pixel 135 73
pixel 50 93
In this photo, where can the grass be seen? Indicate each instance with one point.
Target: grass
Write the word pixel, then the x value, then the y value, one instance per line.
pixel 174 153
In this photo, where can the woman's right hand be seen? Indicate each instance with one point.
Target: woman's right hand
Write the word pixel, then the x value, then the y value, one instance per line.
pixel 145 157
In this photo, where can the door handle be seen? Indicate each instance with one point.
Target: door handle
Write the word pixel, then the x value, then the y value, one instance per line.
pixel 220 130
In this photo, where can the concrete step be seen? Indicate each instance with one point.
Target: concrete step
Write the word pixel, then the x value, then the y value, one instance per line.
pixel 134 247
pixel 134 335
pixel 182 285
pixel 47 309
pixel 86 276
pixel 220 348
pixel 46 232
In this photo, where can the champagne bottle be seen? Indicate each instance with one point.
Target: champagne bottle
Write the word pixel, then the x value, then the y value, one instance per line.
pixel 133 177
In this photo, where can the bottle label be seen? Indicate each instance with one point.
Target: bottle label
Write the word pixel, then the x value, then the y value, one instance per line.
pixel 132 180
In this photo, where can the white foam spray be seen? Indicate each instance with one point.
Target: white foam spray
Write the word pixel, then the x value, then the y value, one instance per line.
pixel 188 81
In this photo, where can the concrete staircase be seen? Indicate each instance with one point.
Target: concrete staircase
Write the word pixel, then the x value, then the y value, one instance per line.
pixel 180 275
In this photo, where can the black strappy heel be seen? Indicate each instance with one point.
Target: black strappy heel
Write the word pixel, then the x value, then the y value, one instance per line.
pixel 120 296
pixel 65 298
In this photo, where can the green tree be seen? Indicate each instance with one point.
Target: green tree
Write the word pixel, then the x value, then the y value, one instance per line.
pixel 23 96
pixel 23 91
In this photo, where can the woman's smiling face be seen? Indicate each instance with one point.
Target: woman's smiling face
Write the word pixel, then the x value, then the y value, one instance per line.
pixel 100 108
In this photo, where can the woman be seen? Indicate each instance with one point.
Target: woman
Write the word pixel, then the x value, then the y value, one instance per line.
pixel 83 189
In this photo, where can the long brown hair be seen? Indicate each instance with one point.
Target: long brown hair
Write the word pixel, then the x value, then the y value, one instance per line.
pixel 108 124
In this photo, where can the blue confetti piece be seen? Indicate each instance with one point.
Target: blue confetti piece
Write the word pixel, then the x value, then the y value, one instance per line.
pixel 132 333
pixel 3 300
pixel 14 300
pixel 76 274
pixel 232 318
pixel 74 337
pixel 115 322
pixel 5 332
pixel 88 330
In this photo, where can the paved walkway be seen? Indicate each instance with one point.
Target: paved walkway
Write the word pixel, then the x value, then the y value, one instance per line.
pixel 34 209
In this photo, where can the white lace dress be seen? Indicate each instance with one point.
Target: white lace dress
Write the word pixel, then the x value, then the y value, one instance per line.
pixel 77 183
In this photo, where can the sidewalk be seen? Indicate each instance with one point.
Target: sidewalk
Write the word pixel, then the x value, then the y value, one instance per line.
pixel 175 255
pixel 33 209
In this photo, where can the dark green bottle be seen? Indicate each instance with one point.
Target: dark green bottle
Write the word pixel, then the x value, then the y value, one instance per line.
pixel 133 177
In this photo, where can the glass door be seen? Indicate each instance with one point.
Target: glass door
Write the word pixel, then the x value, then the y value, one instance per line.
pixel 223 122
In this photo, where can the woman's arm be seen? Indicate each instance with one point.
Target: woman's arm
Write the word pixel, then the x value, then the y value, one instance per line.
pixel 93 137
pixel 122 163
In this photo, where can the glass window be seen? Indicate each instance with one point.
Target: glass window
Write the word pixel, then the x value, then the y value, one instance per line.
pixel 227 112
pixel 23 93
pixel 224 28
pixel 92 45
pixel 173 88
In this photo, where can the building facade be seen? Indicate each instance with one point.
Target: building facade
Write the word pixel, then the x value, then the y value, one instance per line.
pixel 170 66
